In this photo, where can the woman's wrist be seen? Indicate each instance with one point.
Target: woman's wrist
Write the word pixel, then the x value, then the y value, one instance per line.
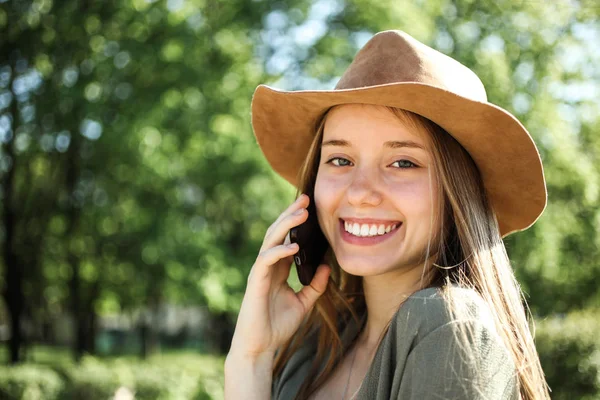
pixel 238 358
pixel 254 371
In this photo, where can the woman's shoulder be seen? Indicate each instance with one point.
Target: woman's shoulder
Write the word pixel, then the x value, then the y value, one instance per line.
pixel 426 334
pixel 432 308
pixel 450 333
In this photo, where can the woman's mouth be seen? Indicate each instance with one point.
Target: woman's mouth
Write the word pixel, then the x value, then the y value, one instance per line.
pixel 367 232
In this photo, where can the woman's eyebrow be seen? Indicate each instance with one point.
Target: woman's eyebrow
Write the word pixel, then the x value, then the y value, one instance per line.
pixel 394 144
pixel 336 142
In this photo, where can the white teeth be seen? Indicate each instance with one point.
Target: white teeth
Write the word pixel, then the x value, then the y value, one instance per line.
pixel 366 230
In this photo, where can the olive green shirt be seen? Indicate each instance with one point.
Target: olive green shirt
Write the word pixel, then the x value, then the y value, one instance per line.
pixel 421 357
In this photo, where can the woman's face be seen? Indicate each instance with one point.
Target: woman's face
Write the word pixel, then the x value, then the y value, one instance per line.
pixel 375 190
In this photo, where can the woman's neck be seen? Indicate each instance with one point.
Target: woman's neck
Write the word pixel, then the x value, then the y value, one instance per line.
pixel 384 294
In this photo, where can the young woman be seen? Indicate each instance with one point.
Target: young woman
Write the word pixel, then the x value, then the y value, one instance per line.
pixel 414 178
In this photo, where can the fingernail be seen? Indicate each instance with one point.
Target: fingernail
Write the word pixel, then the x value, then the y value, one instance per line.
pixel 299 212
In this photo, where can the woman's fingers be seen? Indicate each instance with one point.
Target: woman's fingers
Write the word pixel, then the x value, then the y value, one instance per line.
pixel 280 231
pixel 301 202
pixel 266 259
pixel 309 294
pixel 294 215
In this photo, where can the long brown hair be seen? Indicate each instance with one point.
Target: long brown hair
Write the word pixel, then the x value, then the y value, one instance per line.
pixel 470 253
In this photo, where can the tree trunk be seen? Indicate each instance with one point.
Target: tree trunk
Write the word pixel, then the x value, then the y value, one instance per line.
pixel 77 306
pixel 75 294
pixel 15 300
pixel 143 329
pixel 221 332
pixel 91 319
pixel 148 333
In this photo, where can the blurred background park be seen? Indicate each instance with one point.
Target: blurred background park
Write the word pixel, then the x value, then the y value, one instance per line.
pixel 134 197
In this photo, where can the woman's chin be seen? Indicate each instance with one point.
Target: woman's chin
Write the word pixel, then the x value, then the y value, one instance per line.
pixel 372 266
pixel 363 267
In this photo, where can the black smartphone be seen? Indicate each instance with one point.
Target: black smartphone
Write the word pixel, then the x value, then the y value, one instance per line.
pixel 312 246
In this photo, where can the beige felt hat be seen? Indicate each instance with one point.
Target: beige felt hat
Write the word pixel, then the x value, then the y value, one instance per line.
pixel 394 69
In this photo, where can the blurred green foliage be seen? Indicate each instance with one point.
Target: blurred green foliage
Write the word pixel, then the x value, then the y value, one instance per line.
pixel 569 350
pixel 29 382
pixel 171 376
pixel 131 178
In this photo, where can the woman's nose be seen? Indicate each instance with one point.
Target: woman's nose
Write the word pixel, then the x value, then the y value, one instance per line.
pixel 364 189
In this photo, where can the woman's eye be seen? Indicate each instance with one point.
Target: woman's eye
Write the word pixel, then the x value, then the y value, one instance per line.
pixel 339 162
pixel 404 164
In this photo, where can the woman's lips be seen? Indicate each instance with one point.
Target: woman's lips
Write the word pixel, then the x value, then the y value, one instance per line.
pixel 369 240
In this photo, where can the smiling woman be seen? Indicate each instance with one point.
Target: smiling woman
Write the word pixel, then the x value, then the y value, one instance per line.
pixel 374 170
pixel 412 190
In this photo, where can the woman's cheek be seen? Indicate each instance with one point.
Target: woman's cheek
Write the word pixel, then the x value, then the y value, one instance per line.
pixel 328 194
pixel 415 195
pixel 410 188
pixel 328 188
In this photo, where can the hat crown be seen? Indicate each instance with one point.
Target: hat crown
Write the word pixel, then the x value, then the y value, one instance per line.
pixel 395 57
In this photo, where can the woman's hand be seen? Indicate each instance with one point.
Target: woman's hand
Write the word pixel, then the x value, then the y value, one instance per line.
pixel 271 311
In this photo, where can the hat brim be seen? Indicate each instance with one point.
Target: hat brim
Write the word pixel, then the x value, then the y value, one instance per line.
pixel 285 124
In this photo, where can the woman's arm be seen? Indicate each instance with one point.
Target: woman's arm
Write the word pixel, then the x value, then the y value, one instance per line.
pixel 271 311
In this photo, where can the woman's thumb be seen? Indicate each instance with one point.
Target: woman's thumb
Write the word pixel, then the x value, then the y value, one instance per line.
pixel 309 294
